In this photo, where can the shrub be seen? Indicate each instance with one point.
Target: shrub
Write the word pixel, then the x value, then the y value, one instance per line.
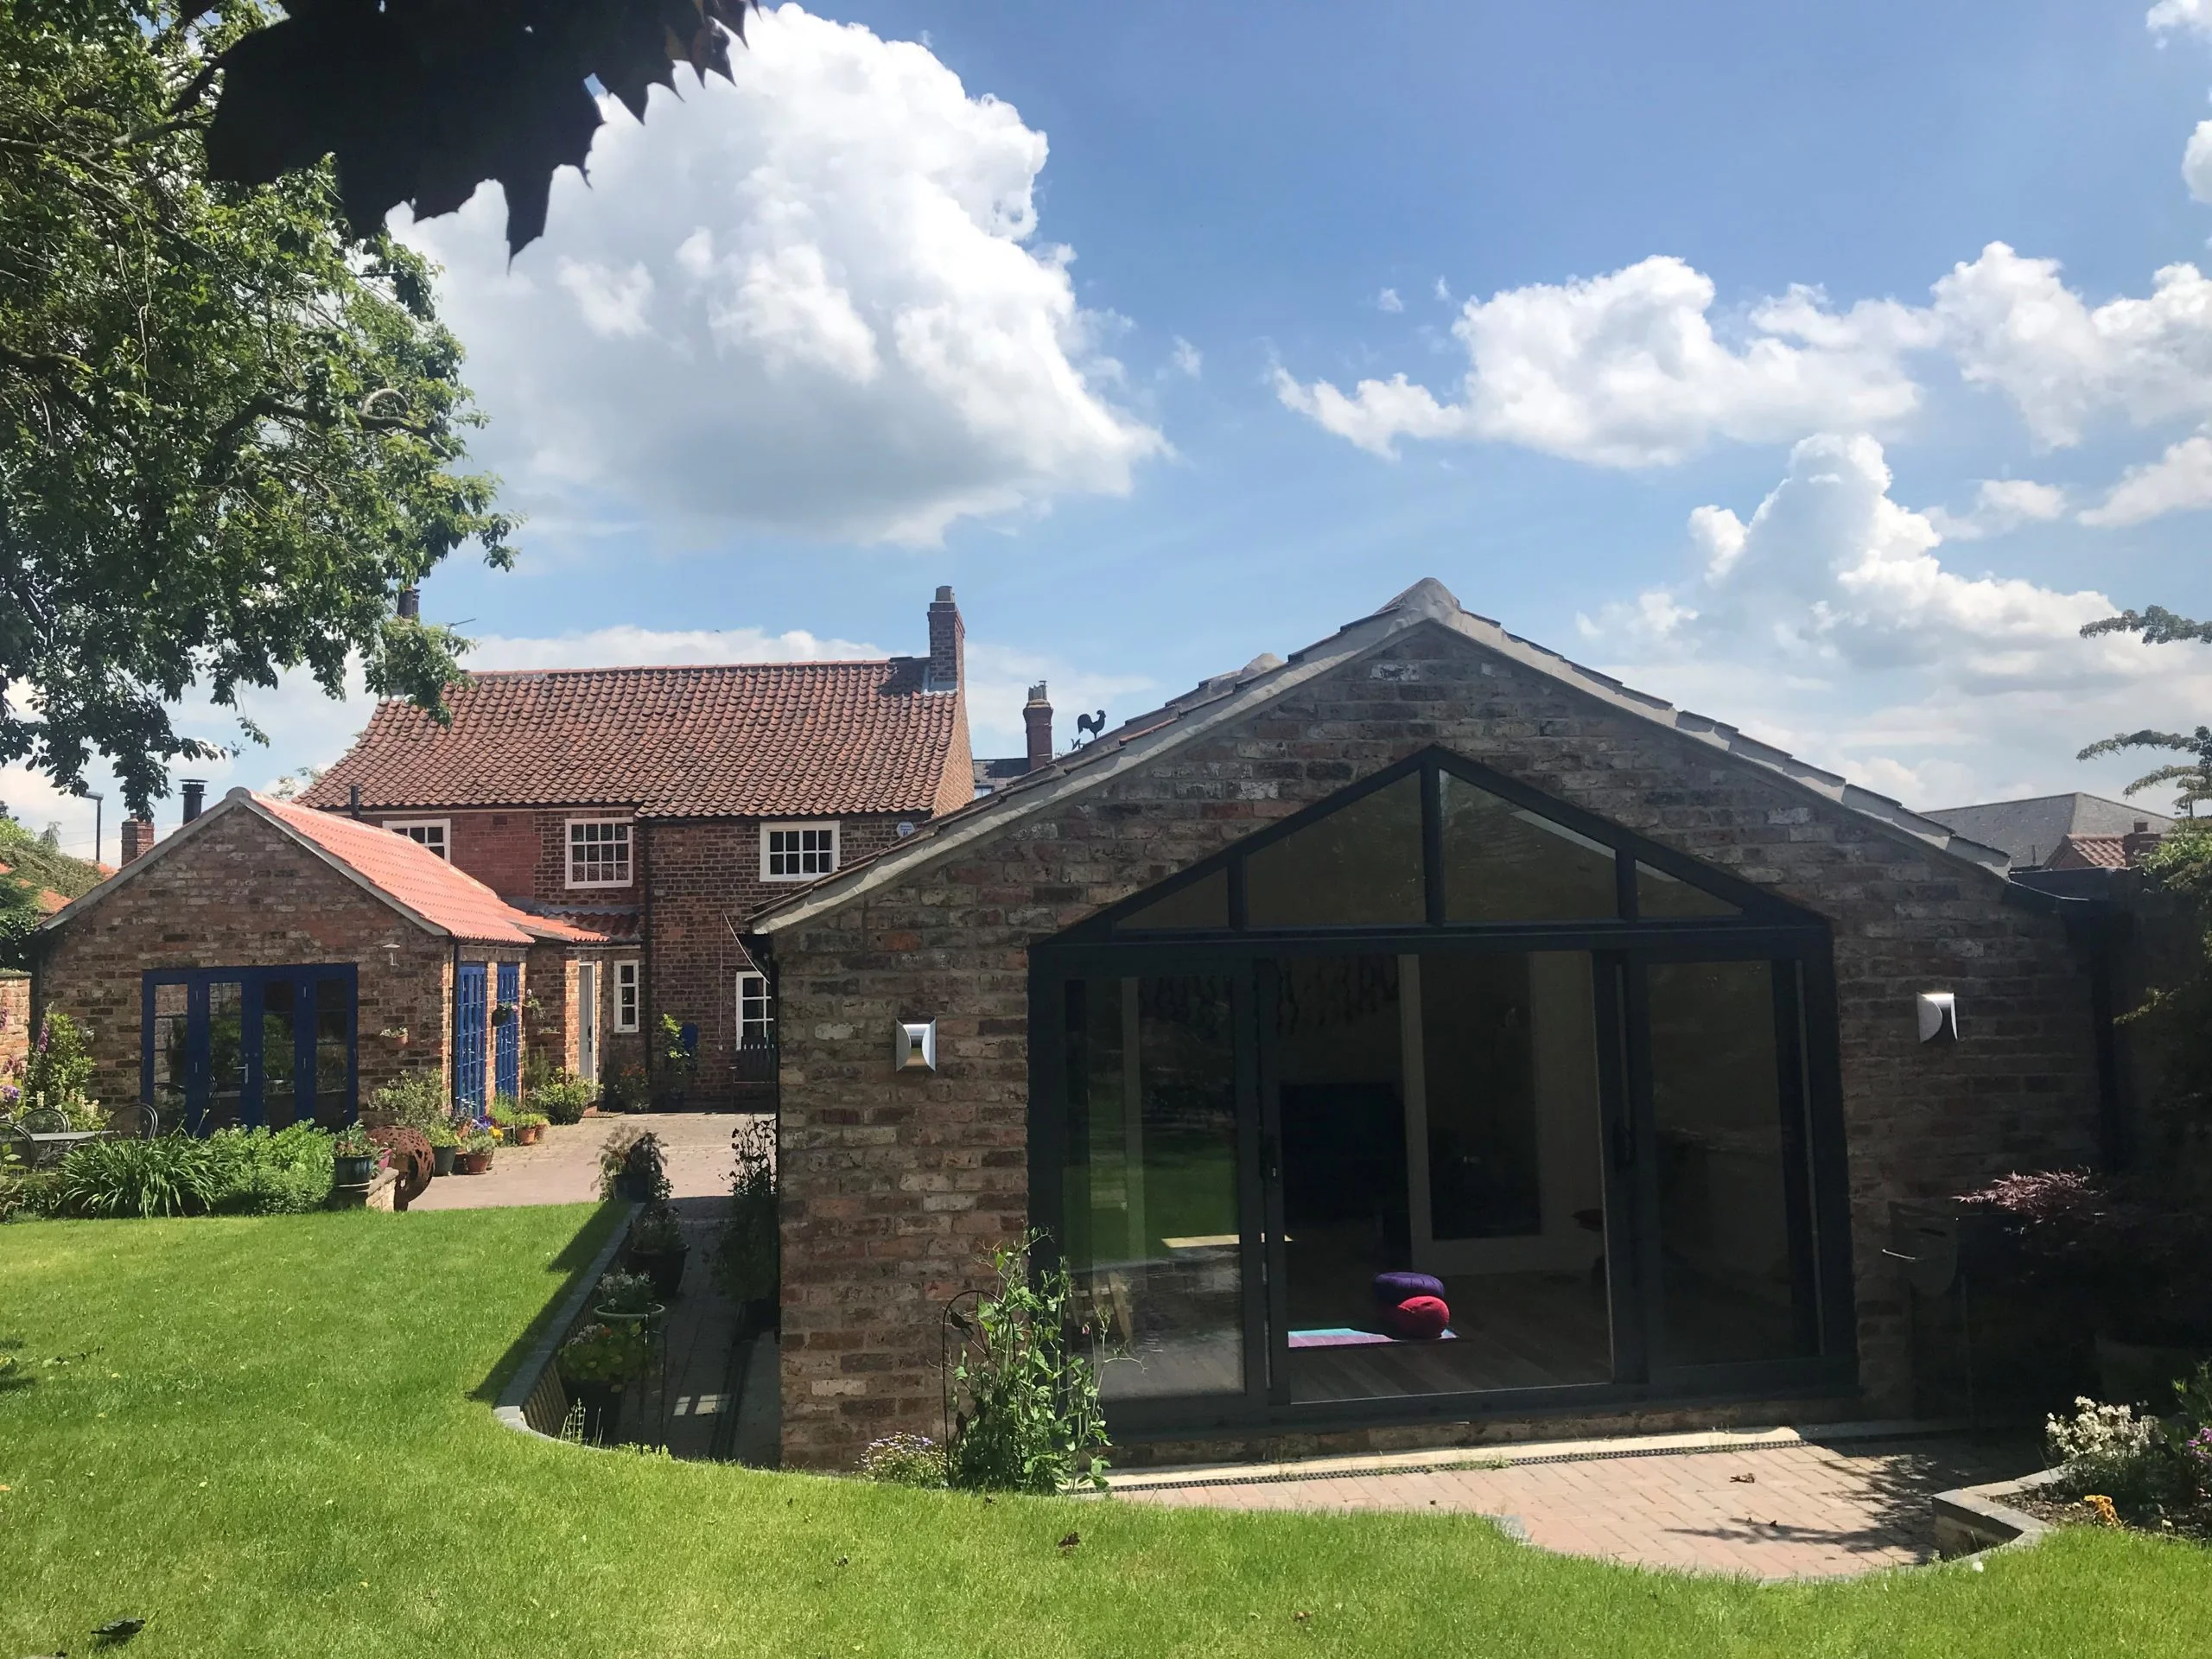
pixel 58 1073
pixel 271 1173
pixel 1026 1413
pixel 415 1100
pixel 905 1460
pixel 605 1353
pixel 747 1259
pixel 656 1231
pixel 168 1175
pixel 626 1292
pixel 561 1095
pixel 26 1194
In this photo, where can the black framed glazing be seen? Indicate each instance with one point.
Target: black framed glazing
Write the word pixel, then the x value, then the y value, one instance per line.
pixel 176 1058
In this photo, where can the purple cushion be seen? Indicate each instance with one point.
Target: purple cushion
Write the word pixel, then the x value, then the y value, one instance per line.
pixel 1392 1288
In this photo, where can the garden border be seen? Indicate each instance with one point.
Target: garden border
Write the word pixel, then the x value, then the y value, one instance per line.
pixel 1972 1519
pixel 534 1402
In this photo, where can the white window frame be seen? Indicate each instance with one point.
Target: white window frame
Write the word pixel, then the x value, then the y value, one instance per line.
pixel 628 993
pixel 409 827
pixel 770 855
pixel 627 840
pixel 753 988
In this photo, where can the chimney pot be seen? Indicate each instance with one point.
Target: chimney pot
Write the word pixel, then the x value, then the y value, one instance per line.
pixel 353 799
pixel 137 839
pixel 196 798
pixel 948 642
pixel 1037 722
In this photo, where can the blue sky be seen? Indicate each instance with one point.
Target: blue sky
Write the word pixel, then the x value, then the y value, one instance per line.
pixel 812 347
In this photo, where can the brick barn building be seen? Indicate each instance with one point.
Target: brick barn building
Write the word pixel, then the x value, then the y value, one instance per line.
pixel 1425 952
pixel 268 964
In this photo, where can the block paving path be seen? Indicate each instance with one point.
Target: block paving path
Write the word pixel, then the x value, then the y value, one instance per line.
pixel 1767 1506
pixel 563 1167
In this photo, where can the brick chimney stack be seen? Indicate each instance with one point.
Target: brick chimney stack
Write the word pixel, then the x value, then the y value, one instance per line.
pixel 196 798
pixel 948 640
pixel 2136 846
pixel 1037 720
pixel 137 839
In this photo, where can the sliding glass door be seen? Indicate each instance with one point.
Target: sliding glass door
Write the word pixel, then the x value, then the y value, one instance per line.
pixel 249 1047
pixel 1430 1103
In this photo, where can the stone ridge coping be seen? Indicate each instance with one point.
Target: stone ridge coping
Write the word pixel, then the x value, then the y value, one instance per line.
pixel 508 1408
pixel 1970 1519
pixel 1508 1454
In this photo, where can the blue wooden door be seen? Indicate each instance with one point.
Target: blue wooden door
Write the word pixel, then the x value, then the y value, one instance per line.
pixel 468 1025
pixel 506 1038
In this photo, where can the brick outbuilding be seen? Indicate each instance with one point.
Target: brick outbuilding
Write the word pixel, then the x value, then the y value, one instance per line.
pixel 267 964
pixel 1425 952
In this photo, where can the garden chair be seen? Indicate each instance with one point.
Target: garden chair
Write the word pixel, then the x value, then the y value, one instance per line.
pixel 43 1119
pixel 133 1121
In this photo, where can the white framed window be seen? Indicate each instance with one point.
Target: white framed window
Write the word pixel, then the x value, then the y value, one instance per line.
pixel 798 852
pixel 625 996
pixel 436 833
pixel 599 852
pixel 755 1019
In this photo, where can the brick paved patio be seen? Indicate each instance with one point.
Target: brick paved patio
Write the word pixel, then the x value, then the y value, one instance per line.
pixel 563 1167
pixel 1771 1504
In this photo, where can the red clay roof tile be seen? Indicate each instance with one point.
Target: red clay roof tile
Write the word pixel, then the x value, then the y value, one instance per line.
pixel 407 872
pixel 749 739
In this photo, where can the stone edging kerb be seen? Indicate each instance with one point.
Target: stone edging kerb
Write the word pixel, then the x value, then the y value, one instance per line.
pixel 533 1402
pixel 1970 1519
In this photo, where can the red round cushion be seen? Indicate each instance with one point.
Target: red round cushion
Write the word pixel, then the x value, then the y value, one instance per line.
pixel 1418 1319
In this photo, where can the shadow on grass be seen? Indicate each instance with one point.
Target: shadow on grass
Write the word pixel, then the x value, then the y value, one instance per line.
pixel 575 1259
pixel 13 1377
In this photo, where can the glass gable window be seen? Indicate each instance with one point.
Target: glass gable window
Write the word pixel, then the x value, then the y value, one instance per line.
pixel 1435 842
pixel 1505 863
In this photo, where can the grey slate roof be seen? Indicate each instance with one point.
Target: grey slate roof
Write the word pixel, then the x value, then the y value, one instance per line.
pixel 1228 697
pixel 2030 830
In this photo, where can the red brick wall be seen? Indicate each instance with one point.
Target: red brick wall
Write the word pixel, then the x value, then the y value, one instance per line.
pixel 15 1021
pixel 239 894
pixel 895 1188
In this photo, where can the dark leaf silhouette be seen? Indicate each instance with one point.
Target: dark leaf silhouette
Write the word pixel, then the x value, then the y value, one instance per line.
pixel 421 101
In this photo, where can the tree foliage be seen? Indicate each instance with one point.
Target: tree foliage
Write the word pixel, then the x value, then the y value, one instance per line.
pixel 229 433
pixel 422 100
pixel 2192 779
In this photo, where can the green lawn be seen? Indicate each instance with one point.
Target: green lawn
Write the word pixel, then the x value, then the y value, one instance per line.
pixel 272 1436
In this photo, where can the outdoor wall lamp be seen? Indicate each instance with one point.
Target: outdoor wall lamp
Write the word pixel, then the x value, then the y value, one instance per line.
pixel 1939 1017
pixel 914 1049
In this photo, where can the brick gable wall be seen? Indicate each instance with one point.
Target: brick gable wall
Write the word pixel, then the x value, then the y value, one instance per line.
pixel 895 1188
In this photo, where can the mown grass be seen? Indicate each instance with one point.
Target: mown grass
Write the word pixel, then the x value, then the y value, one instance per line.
pixel 273 1436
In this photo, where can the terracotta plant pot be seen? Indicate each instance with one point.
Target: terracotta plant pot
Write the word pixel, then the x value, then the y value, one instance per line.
pixel 530 1135
pixel 441 1160
pixel 472 1163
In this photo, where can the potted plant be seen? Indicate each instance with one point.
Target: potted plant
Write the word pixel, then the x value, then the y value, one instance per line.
pixel 473 1156
pixel 596 1365
pixel 354 1157
pixel 746 1258
pixel 658 1249
pixel 629 1300
pixel 522 1129
pixel 503 1014
pixel 443 1144
pixel 630 1092
pixel 561 1095
pixel 631 1166
pixel 679 1059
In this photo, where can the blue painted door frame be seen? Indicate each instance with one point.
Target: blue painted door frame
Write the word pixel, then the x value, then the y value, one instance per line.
pixel 468 1028
pixel 197 1022
pixel 506 1038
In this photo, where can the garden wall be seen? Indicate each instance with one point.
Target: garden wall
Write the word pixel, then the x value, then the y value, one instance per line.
pixel 895 1188
pixel 14 1019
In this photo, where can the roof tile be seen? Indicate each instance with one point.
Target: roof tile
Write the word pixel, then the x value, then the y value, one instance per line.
pixel 748 739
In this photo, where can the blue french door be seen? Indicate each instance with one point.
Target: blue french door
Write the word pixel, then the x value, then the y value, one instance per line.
pixel 249 1047
pixel 507 1037
pixel 468 1028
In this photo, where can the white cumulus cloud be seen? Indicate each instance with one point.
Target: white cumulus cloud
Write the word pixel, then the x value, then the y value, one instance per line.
pixel 2180 481
pixel 1629 369
pixel 2001 505
pixel 2171 17
pixel 1828 624
pixel 815 301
